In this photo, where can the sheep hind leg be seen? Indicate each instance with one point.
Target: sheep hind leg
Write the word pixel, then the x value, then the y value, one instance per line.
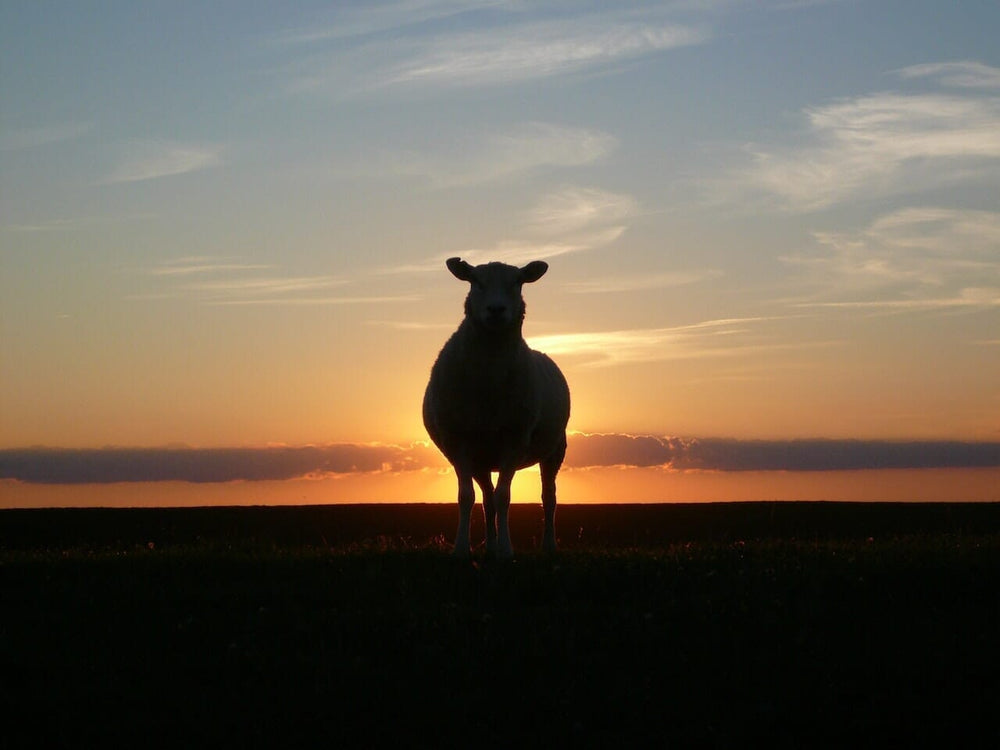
pixel 466 499
pixel 485 482
pixel 549 509
pixel 501 499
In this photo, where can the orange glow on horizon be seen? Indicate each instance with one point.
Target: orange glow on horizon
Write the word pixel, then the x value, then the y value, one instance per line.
pixel 603 485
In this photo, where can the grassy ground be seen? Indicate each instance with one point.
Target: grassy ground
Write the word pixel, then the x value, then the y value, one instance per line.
pixel 813 625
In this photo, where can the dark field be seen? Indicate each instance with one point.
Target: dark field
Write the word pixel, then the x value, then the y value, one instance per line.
pixel 794 625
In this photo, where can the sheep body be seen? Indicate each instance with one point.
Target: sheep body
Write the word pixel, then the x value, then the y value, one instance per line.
pixel 494 405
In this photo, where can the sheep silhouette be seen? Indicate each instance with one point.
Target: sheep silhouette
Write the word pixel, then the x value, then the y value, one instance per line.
pixel 494 405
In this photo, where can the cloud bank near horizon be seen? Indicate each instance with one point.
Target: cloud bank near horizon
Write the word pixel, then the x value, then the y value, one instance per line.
pixel 586 451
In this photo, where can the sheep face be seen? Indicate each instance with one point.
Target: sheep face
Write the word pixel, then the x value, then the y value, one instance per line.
pixel 494 303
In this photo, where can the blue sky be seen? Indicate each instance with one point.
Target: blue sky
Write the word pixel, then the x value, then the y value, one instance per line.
pixel 224 224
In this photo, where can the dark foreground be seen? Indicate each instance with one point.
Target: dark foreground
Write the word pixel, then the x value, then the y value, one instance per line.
pixel 721 625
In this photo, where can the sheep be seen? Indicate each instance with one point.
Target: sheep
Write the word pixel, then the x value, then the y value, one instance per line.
pixel 494 405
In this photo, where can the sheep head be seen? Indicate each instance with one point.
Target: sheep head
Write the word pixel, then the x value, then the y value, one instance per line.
pixel 494 303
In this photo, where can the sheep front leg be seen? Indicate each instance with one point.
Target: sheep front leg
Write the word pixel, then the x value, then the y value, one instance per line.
pixel 501 499
pixel 485 482
pixel 466 499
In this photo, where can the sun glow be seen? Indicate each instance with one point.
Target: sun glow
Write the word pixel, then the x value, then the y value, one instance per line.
pixel 597 485
pixel 817 259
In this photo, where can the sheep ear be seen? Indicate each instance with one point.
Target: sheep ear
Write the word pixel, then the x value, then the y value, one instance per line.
pixel 459 269
pixel 533 271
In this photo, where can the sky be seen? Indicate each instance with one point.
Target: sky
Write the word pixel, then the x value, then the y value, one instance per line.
pixel 772 229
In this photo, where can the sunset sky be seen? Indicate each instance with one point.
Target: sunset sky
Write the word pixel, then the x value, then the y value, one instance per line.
pixel 773 231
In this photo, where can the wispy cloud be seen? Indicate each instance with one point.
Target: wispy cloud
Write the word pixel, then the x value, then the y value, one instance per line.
pixel 223 282
pixel 572 209
pixel 913 258
pixel 711 338
pixel 412 325
pixel 519 252
pixel 154 159
pixel 369 51
pixel 521 149
pixel 642 282
pixel 967 298
pixel 193 265
pixel 514 252
pixel 497 56
pixel 570 220
pixel 595 218
pixel 315 301
pixel 75 224
pixel 365 19
pixel 256 286
pixel 885 143
pixel 967 73
pixel 53 225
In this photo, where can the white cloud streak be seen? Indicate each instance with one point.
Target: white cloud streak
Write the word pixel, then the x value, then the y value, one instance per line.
pixel 76 224
pixel 573 209
pixel 365 19
pixel 498 56
pixel 265 285
pixel 497 156
pixel 965 74
pixel 218 282
pixel 711 338
pixel 570 220
pixel 315 301
pixel 370 52
pixel 513 252
pixel 910 259
pixel 152 160
pixel 886 143
pixel 644 282
pixel 520 252
pixel 979 298
pixel 201 264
